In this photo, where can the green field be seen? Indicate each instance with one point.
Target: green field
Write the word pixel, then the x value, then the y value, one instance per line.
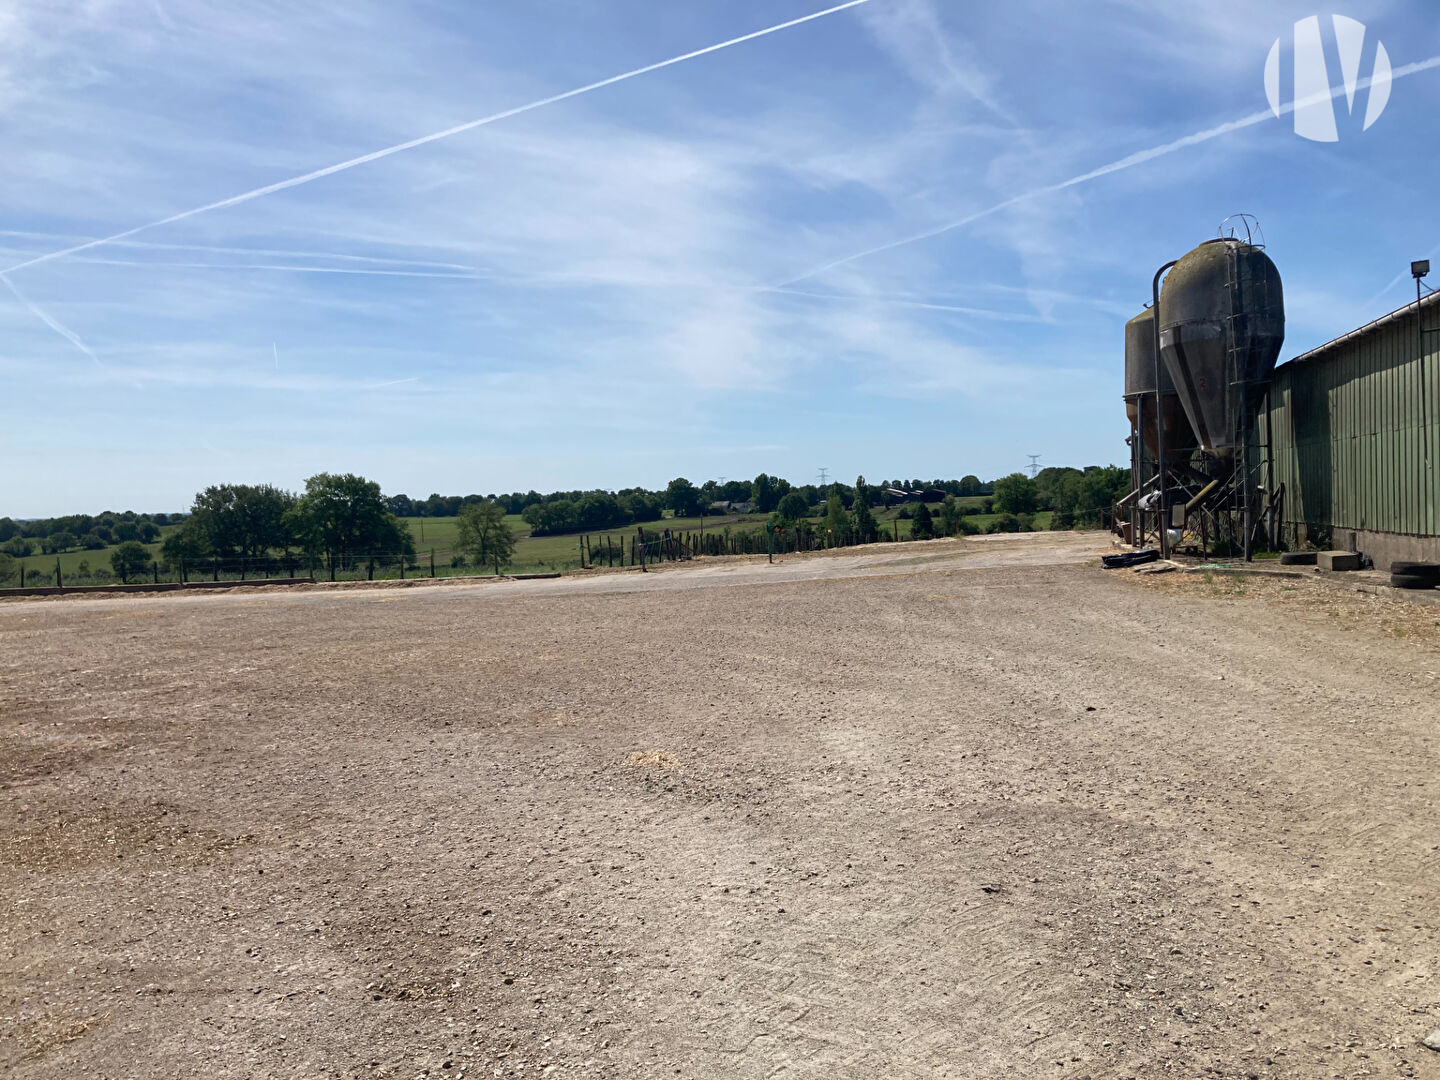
pixel 533 554
pixel 541 553
pixel 70 561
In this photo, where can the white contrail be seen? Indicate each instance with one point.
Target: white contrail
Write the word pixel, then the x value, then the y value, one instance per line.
pixel 928 305
pixel 54 324
pixel 1399 278
pixel 296 181
pixel 473 275
pixel 290 253
pixel 1131 160
pixel 392 382
pixel 163 16
pixel 287 253
pixel 276 350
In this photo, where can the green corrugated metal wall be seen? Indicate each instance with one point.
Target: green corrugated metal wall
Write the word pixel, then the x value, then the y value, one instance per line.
pixel 1353 439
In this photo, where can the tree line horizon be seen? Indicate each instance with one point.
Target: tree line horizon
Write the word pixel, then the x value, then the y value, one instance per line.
pixel 340 518
pixel 114 526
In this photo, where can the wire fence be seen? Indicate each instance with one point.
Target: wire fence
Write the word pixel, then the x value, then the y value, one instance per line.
pixel 641 549
pixel 648 546
pixel 349 565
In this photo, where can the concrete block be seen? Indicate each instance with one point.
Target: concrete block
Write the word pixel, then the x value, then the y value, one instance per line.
pixel 1338 560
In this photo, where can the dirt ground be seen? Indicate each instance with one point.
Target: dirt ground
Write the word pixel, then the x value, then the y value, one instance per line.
pixel 965 809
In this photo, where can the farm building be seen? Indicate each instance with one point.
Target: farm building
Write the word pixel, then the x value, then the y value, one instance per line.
pixel 1354 433
pixel 1335 449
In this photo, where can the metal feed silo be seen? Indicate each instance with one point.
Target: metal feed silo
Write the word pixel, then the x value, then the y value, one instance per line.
pixel 1140 393
pixel 1222 322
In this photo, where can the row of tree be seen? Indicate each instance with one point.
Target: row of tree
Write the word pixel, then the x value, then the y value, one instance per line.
pixel 50 536
pixel 1077 498
pixel 343 515
pixel 342 519
pixel 594 512
pixel 339 517
pixel 113 525
pixel 681 496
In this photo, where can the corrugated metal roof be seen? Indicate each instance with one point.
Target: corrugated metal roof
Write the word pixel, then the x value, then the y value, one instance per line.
pixel 1426 303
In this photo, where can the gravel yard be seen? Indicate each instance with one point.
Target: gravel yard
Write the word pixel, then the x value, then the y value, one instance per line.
pixel 964 808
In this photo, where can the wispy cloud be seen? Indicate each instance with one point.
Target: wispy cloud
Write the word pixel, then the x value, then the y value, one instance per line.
pixel 1139 157
pixel 162 15
pixel 293 268
pixel 899 301
pixel 936 56
pixel 391 382
pixel 249 252
pixel 50 321
pixel 610 261
pixel 435 136
pixel 1401 276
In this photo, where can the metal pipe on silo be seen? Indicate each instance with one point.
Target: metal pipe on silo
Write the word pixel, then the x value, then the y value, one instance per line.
pixel 1270 537
pixel 1241 375
pixel 1139 387
pixel 1418 270
pixel 1221 331
pixel 1159 415
pixel 1135 459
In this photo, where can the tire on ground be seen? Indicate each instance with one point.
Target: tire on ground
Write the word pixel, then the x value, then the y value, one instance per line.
pixel 1412 581
pixel 1417 569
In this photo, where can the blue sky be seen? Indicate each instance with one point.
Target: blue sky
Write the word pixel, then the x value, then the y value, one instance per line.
pixel 625 286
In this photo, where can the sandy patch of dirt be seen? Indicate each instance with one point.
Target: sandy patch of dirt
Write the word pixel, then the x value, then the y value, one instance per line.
pixel 654 759
pixel 76 838
pixel 978 811
pixel 30 1041
pixel 1314 601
